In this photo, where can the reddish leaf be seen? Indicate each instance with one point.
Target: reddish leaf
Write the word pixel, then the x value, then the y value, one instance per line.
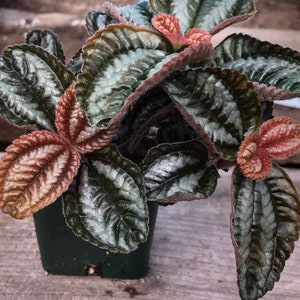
pixel 253 160
pixel 73 124
pixel 196 36
pixel 280 137
pixel 277 138
pixel 169 26
pixel 35 170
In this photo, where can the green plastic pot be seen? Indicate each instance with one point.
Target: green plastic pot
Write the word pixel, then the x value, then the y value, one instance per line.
pixel 63 253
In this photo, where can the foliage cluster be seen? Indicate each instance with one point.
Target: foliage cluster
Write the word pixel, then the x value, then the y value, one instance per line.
pixel 149 110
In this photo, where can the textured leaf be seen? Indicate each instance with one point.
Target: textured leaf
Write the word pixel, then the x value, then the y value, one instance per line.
pixel 31 83
pixel 265 219
pixel 263 62
pixel 138 14
pixel 95 20
pixel 116 60
pixel 35 170
pixel 203 14
pixel 121 63
pixel 253 160
pixel 179 172
pixel 277 138
pixel 287 203
pixel 270 93
pixel 72 123
pixel 169 26
pixel 48 40
pixel 114 13
pixel 195 35
pixel 109 209
pixel 151 121
pixel 280 137
pixel 221 104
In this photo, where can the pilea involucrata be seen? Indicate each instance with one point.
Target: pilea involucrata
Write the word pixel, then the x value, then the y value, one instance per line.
pixel 148 110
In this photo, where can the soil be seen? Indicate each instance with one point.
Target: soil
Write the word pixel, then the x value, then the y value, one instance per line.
pixel 66 18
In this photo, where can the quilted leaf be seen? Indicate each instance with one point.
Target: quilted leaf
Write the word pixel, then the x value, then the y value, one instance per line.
pixel 280 137
pixel 254 161
pixel 115 62
pixel 179 172
pixel 262 62
pixel 72 123
pixel 114 13
pixel 265 218
pixel 205 14
pixel 277 138
pixel 220 104
pixel 139 14
pixel 47 40
pixel 94 21
pixel 169 26
pixel 287 202
pixel 109 207
pixel 35 170
pixel 31 83
pixel 121 63
pixel 270 93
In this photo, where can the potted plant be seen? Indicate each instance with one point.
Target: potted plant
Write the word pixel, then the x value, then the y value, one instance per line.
pixel 147 112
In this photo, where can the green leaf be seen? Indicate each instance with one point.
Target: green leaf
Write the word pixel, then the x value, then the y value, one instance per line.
pixel 220 104
pixel 286 199
pixel 109 208
pixel 265 219
pixel 202 14
pixel 263 62
pixel 179 172
pixel 31 83
pixel 121 63
pixel 95 20
pixel 75 63
pixel 47 40
pixel 138 14
pixel 116 61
